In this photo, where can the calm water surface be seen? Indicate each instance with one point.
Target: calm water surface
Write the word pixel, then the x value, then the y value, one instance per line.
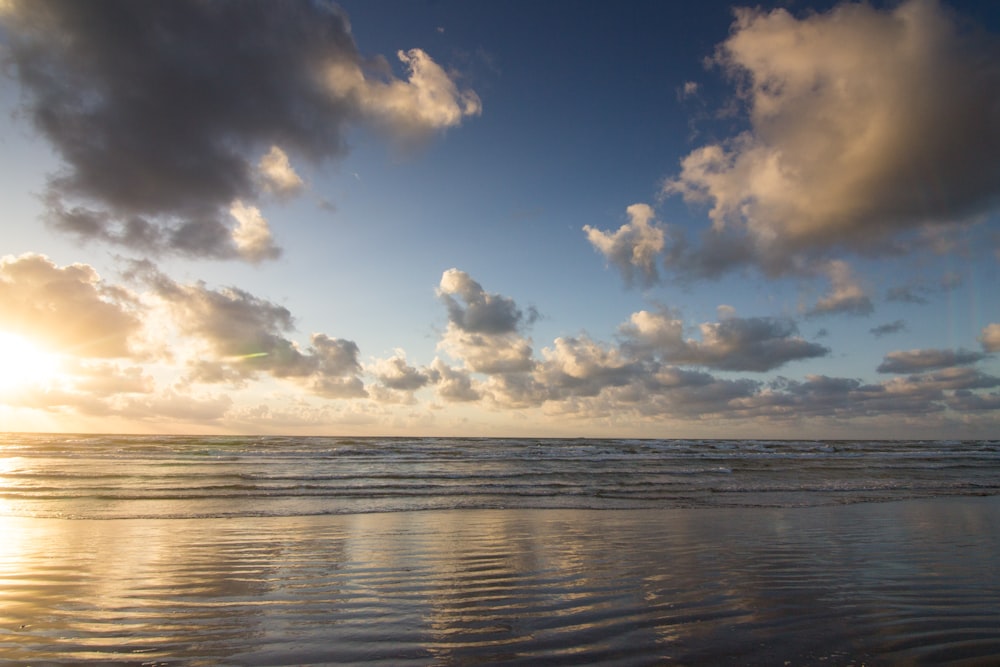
pixel 188 551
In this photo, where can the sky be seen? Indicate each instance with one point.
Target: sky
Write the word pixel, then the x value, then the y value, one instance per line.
pixel 517 218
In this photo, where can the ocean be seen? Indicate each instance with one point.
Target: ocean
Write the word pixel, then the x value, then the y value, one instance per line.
pixel 193 550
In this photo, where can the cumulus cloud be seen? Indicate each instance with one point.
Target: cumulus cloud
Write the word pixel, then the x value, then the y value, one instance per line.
pixel 578 366
pixel 483 328
pixel 918 361
pixel 734 344
pixel 990 337
pixel 252 234
pixel 453 385
pixel 851 112
pixel 277 173
pixel 428 100
pixel 242 336
pixel 634 248
pixel 845 295
pixel 159 110
pixel 396 380
pixel 69 308
pixel 472 309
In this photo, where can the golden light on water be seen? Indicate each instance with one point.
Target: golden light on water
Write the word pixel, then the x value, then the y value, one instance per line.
pixel 23 364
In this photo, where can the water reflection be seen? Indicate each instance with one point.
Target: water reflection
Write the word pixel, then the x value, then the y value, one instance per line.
pixel 898 582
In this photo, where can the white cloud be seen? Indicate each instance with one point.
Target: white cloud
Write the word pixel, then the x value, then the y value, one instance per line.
pixel 240 336
pixel 865 125
pixel 453 385
pixel 488 353
pixel 734 343
pixel 845 296
pixel 990 337
pixel 428 100
pixel 277 173
pixel 633 249
pixel 396 380
pixel 252 235
pixel 483 328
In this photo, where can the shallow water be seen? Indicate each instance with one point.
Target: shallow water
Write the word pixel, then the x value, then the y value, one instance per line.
pixel 910 582
pixel 186 477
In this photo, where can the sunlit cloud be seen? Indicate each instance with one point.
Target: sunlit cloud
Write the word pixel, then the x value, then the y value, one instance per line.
pixel 865 126
pixel 633 248
pixel 70 309
pixel 990 337
pixel 733 344
pixel 845 295
pixel 278 175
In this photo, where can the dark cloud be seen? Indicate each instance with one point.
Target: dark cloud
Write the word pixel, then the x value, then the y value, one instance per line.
pixel 476 311
pixel 888 328
pixel 918 361
pixel 162 111
pixel 967 401
pixel 908 294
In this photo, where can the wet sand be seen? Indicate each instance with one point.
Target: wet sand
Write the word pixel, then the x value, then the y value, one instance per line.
pixel 911 582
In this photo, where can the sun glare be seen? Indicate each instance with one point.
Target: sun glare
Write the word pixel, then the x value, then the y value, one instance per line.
pixel 24 364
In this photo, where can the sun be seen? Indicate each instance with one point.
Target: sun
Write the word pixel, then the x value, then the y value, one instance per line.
pixel 23 364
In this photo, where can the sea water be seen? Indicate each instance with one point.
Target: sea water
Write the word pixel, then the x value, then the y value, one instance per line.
pixel 104 477
pixel 146 550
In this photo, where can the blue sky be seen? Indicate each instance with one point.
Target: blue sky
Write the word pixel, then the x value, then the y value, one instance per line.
pixel 648 219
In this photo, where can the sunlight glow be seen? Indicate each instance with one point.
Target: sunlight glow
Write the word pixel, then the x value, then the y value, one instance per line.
pixel 24 364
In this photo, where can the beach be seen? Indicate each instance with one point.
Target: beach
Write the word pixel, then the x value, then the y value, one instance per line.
pixel 903 582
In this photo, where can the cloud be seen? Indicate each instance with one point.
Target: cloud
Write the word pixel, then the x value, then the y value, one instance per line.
pixel 453 385
pixel 889 328
pixel 241 336
pixel 476 311
pixel 483 328
pixel 633 249
pixel 69 308
pixel 409 110
pixel 850 113
pixel 488 353
pixel 396 380
pixel 277 174
pixel 578 366
pixel 159 110
pixel 990 337
pixel 734 344
pixel 845 296
pixel 908 294
pixel 918 361
pixel 252 234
